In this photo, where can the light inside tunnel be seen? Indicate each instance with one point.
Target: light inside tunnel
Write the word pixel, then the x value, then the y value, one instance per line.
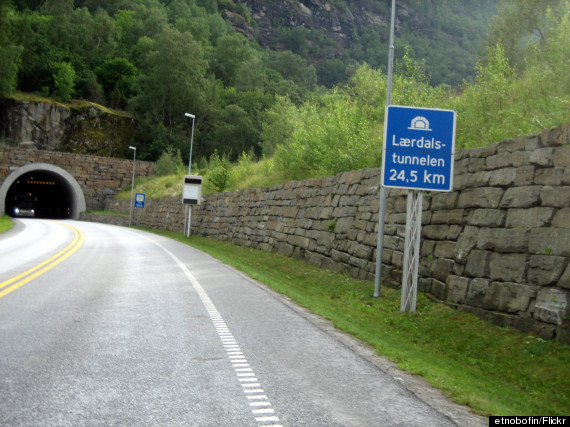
pixel 42 194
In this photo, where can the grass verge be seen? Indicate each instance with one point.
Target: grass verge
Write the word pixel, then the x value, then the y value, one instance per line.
pixel 5 223
pixel 493 370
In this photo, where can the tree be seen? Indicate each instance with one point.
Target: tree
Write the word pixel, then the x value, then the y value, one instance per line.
pixel 293 67
pixel 170 82
pixel 231 51
pixel 63 81
pixel 10 54
pixel 520 22
pixel 117 74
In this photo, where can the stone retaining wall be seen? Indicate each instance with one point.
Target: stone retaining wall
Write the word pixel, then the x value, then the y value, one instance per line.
pixel 498 246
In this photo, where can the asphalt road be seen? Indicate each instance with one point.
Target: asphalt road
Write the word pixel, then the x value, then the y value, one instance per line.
pixel 109 326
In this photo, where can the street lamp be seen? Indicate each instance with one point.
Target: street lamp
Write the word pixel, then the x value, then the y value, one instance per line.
pixel 132 183
pixel 188 218
pixel 192 116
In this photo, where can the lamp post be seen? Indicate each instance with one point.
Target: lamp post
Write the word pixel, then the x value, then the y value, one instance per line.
pixel 188 218
pixel 132 183
pixel 192 116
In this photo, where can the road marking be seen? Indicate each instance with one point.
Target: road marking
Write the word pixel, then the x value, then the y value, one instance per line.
pixel 249 381
pixel 41 268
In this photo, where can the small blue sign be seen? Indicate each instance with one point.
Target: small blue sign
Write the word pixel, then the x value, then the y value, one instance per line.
pixel 139 200
pixel 419 148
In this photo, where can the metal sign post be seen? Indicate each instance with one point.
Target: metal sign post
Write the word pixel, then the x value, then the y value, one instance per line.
pixel 419 150
pixel 411 251
pixel 382 196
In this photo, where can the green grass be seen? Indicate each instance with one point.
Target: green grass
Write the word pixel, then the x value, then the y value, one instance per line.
pixel 5 223
pixel 156 187
pixel 493 370
pixel 31 97
pixel 107 213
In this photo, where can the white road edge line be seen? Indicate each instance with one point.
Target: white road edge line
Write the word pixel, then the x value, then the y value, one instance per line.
pixel 223 333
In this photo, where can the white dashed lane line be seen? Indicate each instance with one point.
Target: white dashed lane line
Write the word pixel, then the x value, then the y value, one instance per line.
pixel 258 401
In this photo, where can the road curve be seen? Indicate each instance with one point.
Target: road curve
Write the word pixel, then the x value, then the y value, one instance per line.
pixel 128 328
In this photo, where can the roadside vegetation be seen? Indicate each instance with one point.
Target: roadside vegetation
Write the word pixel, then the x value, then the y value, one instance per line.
pixel 158 60
pixel 521 87
pixel 5 223
pixel 493 370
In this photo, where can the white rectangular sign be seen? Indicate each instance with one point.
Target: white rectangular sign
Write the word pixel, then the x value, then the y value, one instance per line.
pixel 192 190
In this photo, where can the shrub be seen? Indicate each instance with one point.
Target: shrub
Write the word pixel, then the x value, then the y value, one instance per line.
pixel 169 162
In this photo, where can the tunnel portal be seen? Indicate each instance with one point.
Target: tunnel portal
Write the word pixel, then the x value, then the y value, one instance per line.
pixel 42 191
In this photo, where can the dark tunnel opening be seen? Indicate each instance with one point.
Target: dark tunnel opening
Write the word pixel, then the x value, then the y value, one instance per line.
pixel 40 194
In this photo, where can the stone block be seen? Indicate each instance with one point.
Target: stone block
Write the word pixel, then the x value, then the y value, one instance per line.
pixel 343 225
pixel 465 243
pixel 457 289
pixel 487 218
pixel 562 218
pixel 555 137
pixel 491 297
pixel 397 259
pixel 476 292
pixel 515 159
pixel 514 297
pixel 478 263
pixel 435 232
pixel 444 201
pixel 424 285
pixel 454 216
pixel 484 197
pixel 426 266
pixel 461 164
pixel 444 249
pixel 521 197
pixel 460 182
pixel 499 161
pixel 558 197
pixel 503 177
pixel 552 306
pixel 477 164
pixel 525 175
pixel 546 270
pixel 439 290
pixel 427 248
pixel 550 241
pixel 531 217
pixel 503 240
pixel 285 249
pixel 479 179
pixel 394 242
pixel 360 251
pixel 542 157
pixel 338 256
pixel 549 176
pixel 442 269
pixel 564 281
pixel 508 267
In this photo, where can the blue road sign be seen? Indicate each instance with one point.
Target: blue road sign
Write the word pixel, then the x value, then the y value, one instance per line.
pixel 139 200
pixel 419 147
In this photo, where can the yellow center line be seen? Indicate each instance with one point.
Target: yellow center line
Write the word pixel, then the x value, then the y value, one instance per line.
pixel 44 266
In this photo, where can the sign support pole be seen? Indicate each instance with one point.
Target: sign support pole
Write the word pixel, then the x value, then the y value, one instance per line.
pixel 383 195
pixel 411 251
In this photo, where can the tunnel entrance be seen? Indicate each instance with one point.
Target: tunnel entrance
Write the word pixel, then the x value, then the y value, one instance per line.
pixel 42 191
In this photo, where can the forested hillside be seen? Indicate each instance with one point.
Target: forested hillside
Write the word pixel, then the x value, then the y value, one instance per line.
pixel 262 81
